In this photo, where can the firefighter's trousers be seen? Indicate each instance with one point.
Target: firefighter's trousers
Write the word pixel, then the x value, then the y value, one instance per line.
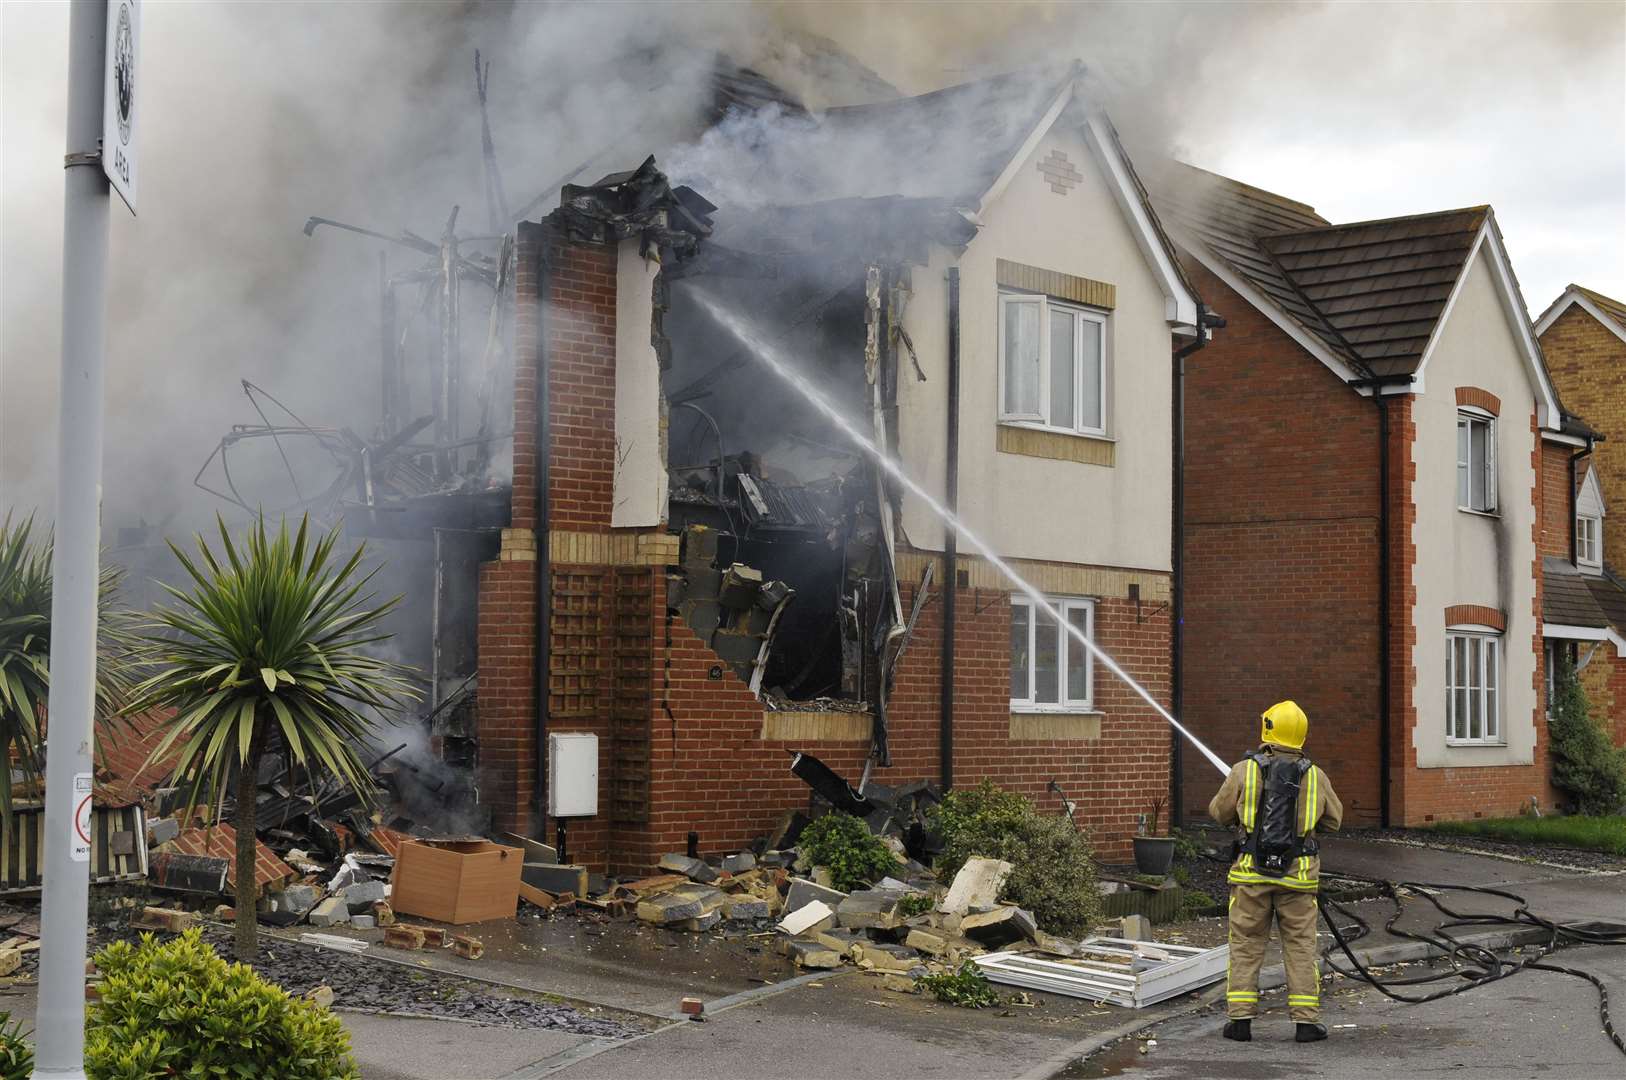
pixel 1252 907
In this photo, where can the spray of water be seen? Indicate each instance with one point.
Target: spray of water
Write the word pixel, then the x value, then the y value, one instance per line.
pixel 769 353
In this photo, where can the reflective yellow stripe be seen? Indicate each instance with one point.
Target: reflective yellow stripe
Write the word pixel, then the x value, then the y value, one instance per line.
pixel 1294 999
pixel 1241 876
pixel 1250 795
pixel 1241 995
pixel 1310 797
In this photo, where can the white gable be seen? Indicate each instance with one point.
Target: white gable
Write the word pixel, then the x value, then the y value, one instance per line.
pixel 1589 500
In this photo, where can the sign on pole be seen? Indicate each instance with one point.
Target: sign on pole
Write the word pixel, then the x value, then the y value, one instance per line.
pixel 81 817
pixel 119 98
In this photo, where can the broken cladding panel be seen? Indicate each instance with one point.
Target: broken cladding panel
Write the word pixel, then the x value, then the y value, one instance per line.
pixel 740 586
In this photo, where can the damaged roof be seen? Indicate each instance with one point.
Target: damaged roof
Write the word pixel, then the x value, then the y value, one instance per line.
pixel 1367 295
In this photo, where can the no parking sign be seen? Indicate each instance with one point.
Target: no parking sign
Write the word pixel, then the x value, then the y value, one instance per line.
pixel 81 817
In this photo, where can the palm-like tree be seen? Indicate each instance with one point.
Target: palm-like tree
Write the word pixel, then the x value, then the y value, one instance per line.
pixel 25 650
pixel 268 651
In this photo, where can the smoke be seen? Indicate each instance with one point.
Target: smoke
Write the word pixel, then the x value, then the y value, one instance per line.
pixel 256 116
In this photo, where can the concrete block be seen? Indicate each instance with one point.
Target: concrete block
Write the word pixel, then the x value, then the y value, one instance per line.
pixel 842 941
pixel 693 869
pixel 803 892
pixel 684 902
pixel 898 984
pixel 330 912
pixel 363 922
pixel 360 896
pixel 701 923
pixel 10 961
pixel 810 918
pixel 1136 928
pixel 812 954
pixel 555 877
pixel 297 898
pixel 894 958
pixel 162 831
pixel 468 948
pixel 739 864
pixel 927 941
pixel 404 937
pixel 869 908
pixel 976 886
pixel 999 927
pixel 736 908
pixel 172 920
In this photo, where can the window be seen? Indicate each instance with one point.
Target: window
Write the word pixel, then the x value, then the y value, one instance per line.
pixel 1476 462
pixel 1587 541
pixel 1052 359
pixel 1472 703
pixel 1050 669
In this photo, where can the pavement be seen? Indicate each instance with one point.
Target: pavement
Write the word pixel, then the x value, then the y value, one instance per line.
pixel 761 1014
pixel 1531 1025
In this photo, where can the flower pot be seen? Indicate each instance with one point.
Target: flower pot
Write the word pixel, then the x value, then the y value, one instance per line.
pixel 1154 854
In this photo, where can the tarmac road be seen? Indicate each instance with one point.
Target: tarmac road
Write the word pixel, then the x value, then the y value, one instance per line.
pixel 1534 1024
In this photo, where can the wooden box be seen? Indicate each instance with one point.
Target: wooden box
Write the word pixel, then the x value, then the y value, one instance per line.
pixel 456 881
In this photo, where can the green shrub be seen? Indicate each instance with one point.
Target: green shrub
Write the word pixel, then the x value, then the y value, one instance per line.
pixel 16 1056
pixel 1052 873
pixel 968 987
pixel 915 903
pixel 177 1009
pixel 844 845
pixel 1586 765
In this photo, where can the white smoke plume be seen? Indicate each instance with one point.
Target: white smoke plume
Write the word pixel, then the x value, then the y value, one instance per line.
pixel 258 115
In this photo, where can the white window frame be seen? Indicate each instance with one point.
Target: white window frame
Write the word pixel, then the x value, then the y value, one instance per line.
pixel 1464 467
pixel 1589 541
pixel 1041 419
pixel 1064 704
pixel 1489 691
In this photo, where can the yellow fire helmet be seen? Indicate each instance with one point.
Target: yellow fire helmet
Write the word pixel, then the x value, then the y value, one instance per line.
pixel 1284 724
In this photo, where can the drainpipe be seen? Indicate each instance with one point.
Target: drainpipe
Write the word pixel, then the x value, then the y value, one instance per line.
pixel 544 593
pixel 1177 547
pixel 1377 383
pixel 951 539
pixel 1575 460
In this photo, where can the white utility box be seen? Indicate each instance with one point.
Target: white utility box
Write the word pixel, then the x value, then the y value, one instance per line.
pixel 572 775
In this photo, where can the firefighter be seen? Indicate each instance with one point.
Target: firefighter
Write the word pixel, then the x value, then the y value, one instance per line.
pixel 1277 800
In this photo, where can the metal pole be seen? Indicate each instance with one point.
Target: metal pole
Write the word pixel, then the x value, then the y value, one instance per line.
pixel 75 565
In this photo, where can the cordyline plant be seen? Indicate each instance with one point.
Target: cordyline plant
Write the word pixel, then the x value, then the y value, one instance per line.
pixel 268 652
pixel 25 651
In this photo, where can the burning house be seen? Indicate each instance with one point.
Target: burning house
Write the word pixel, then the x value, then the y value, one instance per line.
pixel 675 395
pixel 730 576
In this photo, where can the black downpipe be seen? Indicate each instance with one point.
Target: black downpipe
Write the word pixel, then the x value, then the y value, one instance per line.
pixel 1177 606
pixel 544 591
pixel 1575 459
pixel 1376 384
pixel 951 538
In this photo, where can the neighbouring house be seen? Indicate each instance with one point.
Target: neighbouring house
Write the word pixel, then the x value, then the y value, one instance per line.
pixel 1583 335
pixel 1363 500
pixel 975 280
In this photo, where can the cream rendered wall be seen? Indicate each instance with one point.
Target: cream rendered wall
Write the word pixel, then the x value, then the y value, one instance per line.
pixel 640 467
pixel 1029 507
pixel 1466 558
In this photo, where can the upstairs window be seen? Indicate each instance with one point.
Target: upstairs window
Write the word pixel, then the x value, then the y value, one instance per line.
pixel 1472 681
pixel 1050 670
pixel 1052 361
pixel 1476 462
pixel 1589 541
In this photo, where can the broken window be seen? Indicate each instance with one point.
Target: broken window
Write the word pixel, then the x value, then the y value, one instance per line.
pixel 1050 668
pixel 1476 462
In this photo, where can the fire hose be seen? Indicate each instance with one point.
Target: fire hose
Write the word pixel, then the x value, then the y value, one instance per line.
pixel 1473 965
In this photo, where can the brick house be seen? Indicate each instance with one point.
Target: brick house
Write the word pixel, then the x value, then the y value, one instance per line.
pixel 728 580
pixel 1362 504
pixel 1583 336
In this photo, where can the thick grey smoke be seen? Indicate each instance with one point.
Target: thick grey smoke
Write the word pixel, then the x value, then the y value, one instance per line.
pixel 258 115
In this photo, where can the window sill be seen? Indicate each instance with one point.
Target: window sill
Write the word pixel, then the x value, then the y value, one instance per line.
pixel 1472 744
pixel 1480 513
pixel 1029 440
pixel 1056 710
pixel 1034 425
pixel 1055 726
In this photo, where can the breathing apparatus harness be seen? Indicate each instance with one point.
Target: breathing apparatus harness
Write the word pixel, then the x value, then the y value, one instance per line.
pixel 1274 842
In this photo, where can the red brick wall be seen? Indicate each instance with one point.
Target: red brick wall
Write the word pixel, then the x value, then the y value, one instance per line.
pixel 1555 500
pixel 1281 552
pixel 506 694
pixel 579 321
pixel 1585 360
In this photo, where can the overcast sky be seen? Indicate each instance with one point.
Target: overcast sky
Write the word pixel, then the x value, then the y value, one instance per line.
pixel 255 115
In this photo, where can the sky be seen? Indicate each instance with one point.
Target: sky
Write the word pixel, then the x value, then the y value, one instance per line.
pixel 256 115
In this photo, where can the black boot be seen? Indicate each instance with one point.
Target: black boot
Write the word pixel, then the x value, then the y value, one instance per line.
pixel 1310 1033
pixel 1242 1031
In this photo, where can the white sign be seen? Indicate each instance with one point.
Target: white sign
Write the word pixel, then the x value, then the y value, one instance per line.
pixel 81 817
pixel 119 98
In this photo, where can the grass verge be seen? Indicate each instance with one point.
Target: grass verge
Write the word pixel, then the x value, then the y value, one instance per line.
pixel 1593 833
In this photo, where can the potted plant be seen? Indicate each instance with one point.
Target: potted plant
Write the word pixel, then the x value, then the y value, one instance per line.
pixel 1154 853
